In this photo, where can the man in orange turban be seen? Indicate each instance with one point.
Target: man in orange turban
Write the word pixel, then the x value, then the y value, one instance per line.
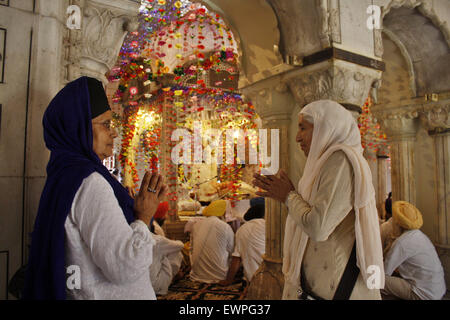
pixel 159 218
pixel 408 251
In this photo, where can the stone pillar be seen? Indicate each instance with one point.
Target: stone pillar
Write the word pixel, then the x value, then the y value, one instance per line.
pixel 274 105
pixel 93 49
pixel 437 120
pixel 44 84
pixel 401 129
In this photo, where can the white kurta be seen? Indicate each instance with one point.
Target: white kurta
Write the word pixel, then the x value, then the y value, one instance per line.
pixel 212 242
pixel 167 259
pixel 158 230
pixel 330 225
pixel 250 245
pixel 416 259
pixel 113 257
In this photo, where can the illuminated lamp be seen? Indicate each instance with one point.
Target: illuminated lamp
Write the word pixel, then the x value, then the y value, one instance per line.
pixel 133 91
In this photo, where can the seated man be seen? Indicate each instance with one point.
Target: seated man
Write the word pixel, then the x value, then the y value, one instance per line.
pixel 211 243
pixel 167 254
pixel 167 259
pixel 411 253
pixel 250 245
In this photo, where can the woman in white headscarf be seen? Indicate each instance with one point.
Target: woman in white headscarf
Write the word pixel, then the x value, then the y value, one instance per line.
pixel 333 207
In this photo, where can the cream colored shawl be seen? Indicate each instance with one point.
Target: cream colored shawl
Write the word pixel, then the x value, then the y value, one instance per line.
pixel 335 129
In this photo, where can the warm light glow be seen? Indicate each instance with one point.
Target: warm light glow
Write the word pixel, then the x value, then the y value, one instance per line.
pixel 148 118
pixel 133 91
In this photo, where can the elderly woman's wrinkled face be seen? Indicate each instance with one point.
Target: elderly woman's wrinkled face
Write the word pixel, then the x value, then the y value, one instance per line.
pixel 304 134
pixel 103 135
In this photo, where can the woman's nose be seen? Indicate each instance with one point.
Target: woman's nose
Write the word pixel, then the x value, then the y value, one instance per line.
pixel 114 133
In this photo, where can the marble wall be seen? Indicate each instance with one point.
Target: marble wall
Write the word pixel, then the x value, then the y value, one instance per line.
pixel 17 21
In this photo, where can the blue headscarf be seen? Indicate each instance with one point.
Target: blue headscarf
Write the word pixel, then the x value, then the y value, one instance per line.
pixel 68 135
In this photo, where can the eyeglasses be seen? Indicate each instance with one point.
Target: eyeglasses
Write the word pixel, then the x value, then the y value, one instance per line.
pixel 108 124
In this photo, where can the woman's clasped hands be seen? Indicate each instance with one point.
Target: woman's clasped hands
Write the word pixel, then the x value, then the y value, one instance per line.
pixel 151 193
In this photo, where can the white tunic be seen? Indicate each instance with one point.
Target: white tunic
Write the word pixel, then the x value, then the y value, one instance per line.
pixel 416 259
pixel 158 230
pixel 250 245
pixel 167 259
pixel 330 224
pixel 113 257
pixel 212 242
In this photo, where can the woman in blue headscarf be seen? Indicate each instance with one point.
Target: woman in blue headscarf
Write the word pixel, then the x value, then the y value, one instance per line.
pixel 91 239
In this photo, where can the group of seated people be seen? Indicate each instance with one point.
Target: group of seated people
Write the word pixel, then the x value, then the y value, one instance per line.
pixel 215 253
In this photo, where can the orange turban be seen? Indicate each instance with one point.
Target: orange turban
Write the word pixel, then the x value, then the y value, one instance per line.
pixel 406 215
pixel 216 208
pixel 163 207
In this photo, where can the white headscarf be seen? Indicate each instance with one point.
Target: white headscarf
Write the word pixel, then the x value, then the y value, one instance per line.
pixel 335 129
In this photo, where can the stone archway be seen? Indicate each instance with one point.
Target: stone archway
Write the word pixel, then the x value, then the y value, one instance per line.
pixel 255 27
pixel 426 8
pixel 413 108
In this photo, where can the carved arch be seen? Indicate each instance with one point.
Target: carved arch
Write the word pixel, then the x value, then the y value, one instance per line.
pixel 425 8
pixel 255 27
pixel 404 51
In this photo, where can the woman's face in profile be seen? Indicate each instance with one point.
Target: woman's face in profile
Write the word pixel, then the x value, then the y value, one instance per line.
pixel 304 134
pixel 103 135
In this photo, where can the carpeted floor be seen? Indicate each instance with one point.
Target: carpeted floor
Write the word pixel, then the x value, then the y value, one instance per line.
pixel 186 289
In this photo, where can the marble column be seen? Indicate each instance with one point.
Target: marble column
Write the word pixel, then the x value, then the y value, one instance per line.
pixel 93 49
pixel 274 104
pixel 436 119
pixel 401 129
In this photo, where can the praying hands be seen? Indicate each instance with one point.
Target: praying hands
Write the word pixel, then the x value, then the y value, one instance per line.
pixel 274 187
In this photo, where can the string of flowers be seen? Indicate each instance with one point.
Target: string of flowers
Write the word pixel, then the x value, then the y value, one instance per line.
pixel 372 137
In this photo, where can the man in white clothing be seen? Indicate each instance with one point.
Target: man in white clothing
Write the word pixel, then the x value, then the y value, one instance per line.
pixel 250 245
pixel 167 258
pixel 411 253
pixel 212 242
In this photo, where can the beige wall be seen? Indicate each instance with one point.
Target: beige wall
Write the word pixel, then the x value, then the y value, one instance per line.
pixel 395 82
pixel 13 98
pixel 396 90
pixel 32 78
pixel 426 197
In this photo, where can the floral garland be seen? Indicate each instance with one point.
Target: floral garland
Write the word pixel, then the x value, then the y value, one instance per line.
pixel 372 137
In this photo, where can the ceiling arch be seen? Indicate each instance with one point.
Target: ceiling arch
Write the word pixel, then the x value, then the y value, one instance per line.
pixel 255 27
pixel 426 46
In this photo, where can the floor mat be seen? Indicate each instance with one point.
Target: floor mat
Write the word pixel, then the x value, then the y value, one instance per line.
pixel 187 289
